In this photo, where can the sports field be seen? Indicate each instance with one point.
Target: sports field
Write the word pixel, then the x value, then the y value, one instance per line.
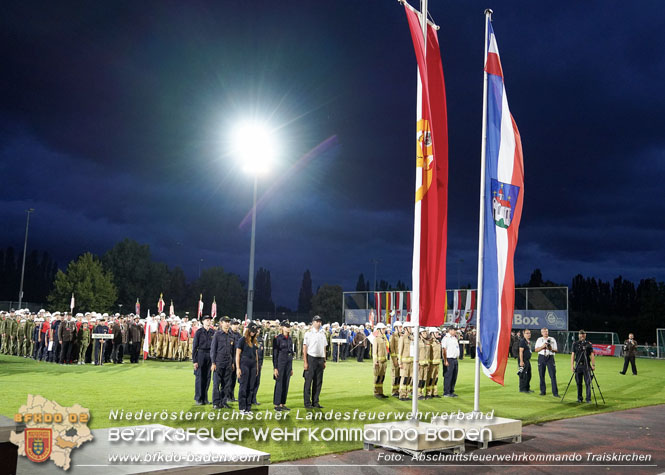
pixel 347 386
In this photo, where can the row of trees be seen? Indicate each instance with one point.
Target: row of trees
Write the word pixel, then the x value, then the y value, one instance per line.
pixel 127 272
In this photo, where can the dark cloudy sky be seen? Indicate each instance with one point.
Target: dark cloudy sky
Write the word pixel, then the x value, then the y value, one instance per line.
pixel 115 119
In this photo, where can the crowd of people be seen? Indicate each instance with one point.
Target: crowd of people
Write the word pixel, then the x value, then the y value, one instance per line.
pixel 229 351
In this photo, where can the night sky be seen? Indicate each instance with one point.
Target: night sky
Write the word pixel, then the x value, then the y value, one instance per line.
pixel 115 121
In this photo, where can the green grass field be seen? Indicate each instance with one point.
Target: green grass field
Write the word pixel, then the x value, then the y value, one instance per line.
pixel 155 385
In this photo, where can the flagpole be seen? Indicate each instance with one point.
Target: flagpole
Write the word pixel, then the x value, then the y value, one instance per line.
pixel 416 336
pixel 481 244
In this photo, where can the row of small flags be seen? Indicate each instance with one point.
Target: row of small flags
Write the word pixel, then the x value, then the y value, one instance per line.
pixel 160 306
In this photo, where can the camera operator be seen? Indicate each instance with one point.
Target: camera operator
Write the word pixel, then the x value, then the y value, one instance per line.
pixel 582 363
pixel 546 348
pixel 629 354
pixel 524 371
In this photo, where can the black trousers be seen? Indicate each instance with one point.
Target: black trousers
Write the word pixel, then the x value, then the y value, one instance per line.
pixel 525 376
pixel 247 382
pixel 630 359
pixel 547 363
pixel 134 351
pixel 450 376
pixel 313 380
pixel 65 352
pixel 257 383
pixel 583 373
pixel 116 356
pixel 100 351
pixel 56 350
pixel 361 353
pixel 232 384
pixel 221 384
pixel 202 376
pixel 282 382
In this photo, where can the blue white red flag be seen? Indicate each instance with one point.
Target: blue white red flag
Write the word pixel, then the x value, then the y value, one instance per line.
pixel 504 193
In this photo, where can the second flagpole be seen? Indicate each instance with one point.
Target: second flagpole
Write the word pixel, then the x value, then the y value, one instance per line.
pixel 481 244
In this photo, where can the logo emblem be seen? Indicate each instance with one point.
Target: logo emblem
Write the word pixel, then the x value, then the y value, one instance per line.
pixel 424 157
pixel 504 197
pixel 551 318
pixel 38 444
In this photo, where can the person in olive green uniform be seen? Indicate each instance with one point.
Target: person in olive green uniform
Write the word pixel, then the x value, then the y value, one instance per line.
pixel 83 339
pixel 28 343
pixel 296 336
pixel 405 362
pixel 20 337
pixel 424 348
pixel 12 330
pixel 434 365
pixel 380 357
pixel 3 336
pixel 394 356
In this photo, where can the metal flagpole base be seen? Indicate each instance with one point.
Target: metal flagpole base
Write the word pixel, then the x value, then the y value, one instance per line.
pixel 482 428
pixel 412 437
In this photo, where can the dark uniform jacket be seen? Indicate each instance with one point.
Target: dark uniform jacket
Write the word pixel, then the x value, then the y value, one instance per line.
pixel 222 348
pixel 135 333
pixel 66 331
pixel 202 342
pixel 282 350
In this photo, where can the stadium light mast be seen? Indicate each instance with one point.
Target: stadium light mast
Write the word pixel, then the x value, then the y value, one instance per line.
pixel 25 248
pixel 255 148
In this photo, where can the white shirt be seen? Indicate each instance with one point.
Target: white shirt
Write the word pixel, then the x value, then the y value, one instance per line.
pixel 451 345
pixel 545 352
pixel 316 343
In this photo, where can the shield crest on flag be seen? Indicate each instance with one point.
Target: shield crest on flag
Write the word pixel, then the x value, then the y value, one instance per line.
pixel 38 444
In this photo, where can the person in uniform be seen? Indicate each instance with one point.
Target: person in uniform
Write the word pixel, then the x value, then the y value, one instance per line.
pixel 3 334
pixel 66 335
pixel 524 362
pixel 629 354
pixel 162 341
pixel 405 362
pixel 135 336
pixel 450 347
pixel 582 363
pixel 260 353
pixel 222 352
pixel 20 337
pixel 379 358
pixel 472 343
pixel 101 328
pixel 546 348
pixel 359 345
pixel 247 364
pixel 314 363
pixel 83 339
pixel 44 334
pixel 394 356
pixel 55 327
pixel 235 324
pixel 12 334
pixel 344 335
pixel 424 349
pixel 201 358
pixel 29 330
pixel 434 364
pixel 282 363
pixel 116 356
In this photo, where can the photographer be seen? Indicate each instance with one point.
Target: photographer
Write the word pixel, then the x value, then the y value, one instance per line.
pixel 582 363
pixel 629 354
pixel 524 371
pixel 546 348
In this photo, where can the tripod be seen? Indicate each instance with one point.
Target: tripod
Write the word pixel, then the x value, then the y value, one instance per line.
pixel 582 358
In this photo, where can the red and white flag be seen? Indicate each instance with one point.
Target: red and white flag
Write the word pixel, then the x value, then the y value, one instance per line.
pixel 399 305
pixel 160 303
pixel 377 301
pixel 213 309
pixel 470 308
pixel 146 336
pixel 199 313
pixel 171 309
pixel 72 303
pixel 431 201
pixel 408 306
pixel 457 306
pixel 137 309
